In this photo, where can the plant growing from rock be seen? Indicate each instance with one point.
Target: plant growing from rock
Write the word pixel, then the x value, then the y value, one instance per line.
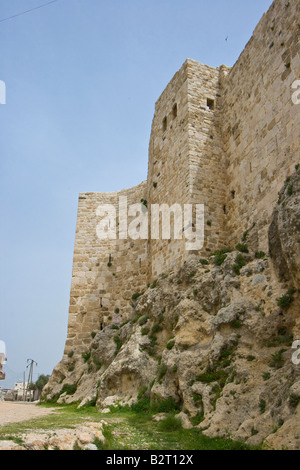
pixel 242 248
pixel 240 262
pixel 285 300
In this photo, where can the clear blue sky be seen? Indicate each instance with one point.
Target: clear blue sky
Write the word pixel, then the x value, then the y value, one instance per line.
pixel 82 78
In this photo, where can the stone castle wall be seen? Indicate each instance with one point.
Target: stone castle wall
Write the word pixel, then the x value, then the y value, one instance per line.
pixel 105 272
pixel 225 138
pixel 260 123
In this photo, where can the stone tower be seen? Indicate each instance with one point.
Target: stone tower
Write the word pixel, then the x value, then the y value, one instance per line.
pixel 225 138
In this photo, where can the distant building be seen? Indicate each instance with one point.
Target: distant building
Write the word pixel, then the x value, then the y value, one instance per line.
pixel 2 359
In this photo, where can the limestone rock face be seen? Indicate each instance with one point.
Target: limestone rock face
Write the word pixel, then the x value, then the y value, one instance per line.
pixel 284 231
pixel 81 437
pixel 211 338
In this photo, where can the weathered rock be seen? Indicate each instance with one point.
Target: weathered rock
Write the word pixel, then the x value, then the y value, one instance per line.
pixel 284 231
pixel 214 342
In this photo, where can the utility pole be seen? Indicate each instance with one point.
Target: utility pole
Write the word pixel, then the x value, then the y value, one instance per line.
pixel 24 392
pixel 30 376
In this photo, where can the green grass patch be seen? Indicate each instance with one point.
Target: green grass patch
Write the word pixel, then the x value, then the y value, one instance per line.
pixel 128 428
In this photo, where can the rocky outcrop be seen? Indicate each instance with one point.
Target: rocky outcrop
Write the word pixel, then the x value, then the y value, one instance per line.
pixel 83 437
pixel 213 338
pixel 284 231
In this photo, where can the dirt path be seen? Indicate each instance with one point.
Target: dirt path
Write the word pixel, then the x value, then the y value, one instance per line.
pixel 14 412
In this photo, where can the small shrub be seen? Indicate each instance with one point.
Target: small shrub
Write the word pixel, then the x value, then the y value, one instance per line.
pixel 144 331
pixel 245 236
pixel 235 324
pixel 136 295
pixel 285 300
pixel 160 318
pixel 262 406
pixel 71 353
pixel 69 389
pixel 242 248
pixel 277 359
pixel 240 262
pixel 153 285
pixel 208 223
pixel 86 356
pixel 282 338
pixel 170 424
pixel 117 310
pixel 195 420
pixel 97 363
pixel 204 262
pixel 212 375
pixel 250 358
pixel 266 376
pixel 156 328
pixel 109 264
pixel 290 189
pixel 219 258
pixel 260 254
pixel 93 334
pixel 162 370
pixel 192 274
pixel 118 343
pixel 294 400
pixel 170 344
pixel 143 320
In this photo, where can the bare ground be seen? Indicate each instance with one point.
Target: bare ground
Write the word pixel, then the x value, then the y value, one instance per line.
pixel 14 412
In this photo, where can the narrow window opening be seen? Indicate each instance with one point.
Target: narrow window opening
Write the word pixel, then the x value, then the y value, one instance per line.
pixel 174 111
pixel 109 259
pixel 101 326
pixel 140 262
pixel 224 209
pixel 210 104
pixel 233 194
pixel 164 124
pixel 101 305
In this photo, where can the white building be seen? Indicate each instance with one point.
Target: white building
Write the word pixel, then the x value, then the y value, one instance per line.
pixel 2 359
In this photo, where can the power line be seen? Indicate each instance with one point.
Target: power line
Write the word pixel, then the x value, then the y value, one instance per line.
pixel 28 11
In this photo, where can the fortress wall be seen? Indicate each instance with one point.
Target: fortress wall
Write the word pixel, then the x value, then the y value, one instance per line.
pixel 207 170
pixel 186 160
pixel 260 122
pixel 98 289
pixel 168 167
